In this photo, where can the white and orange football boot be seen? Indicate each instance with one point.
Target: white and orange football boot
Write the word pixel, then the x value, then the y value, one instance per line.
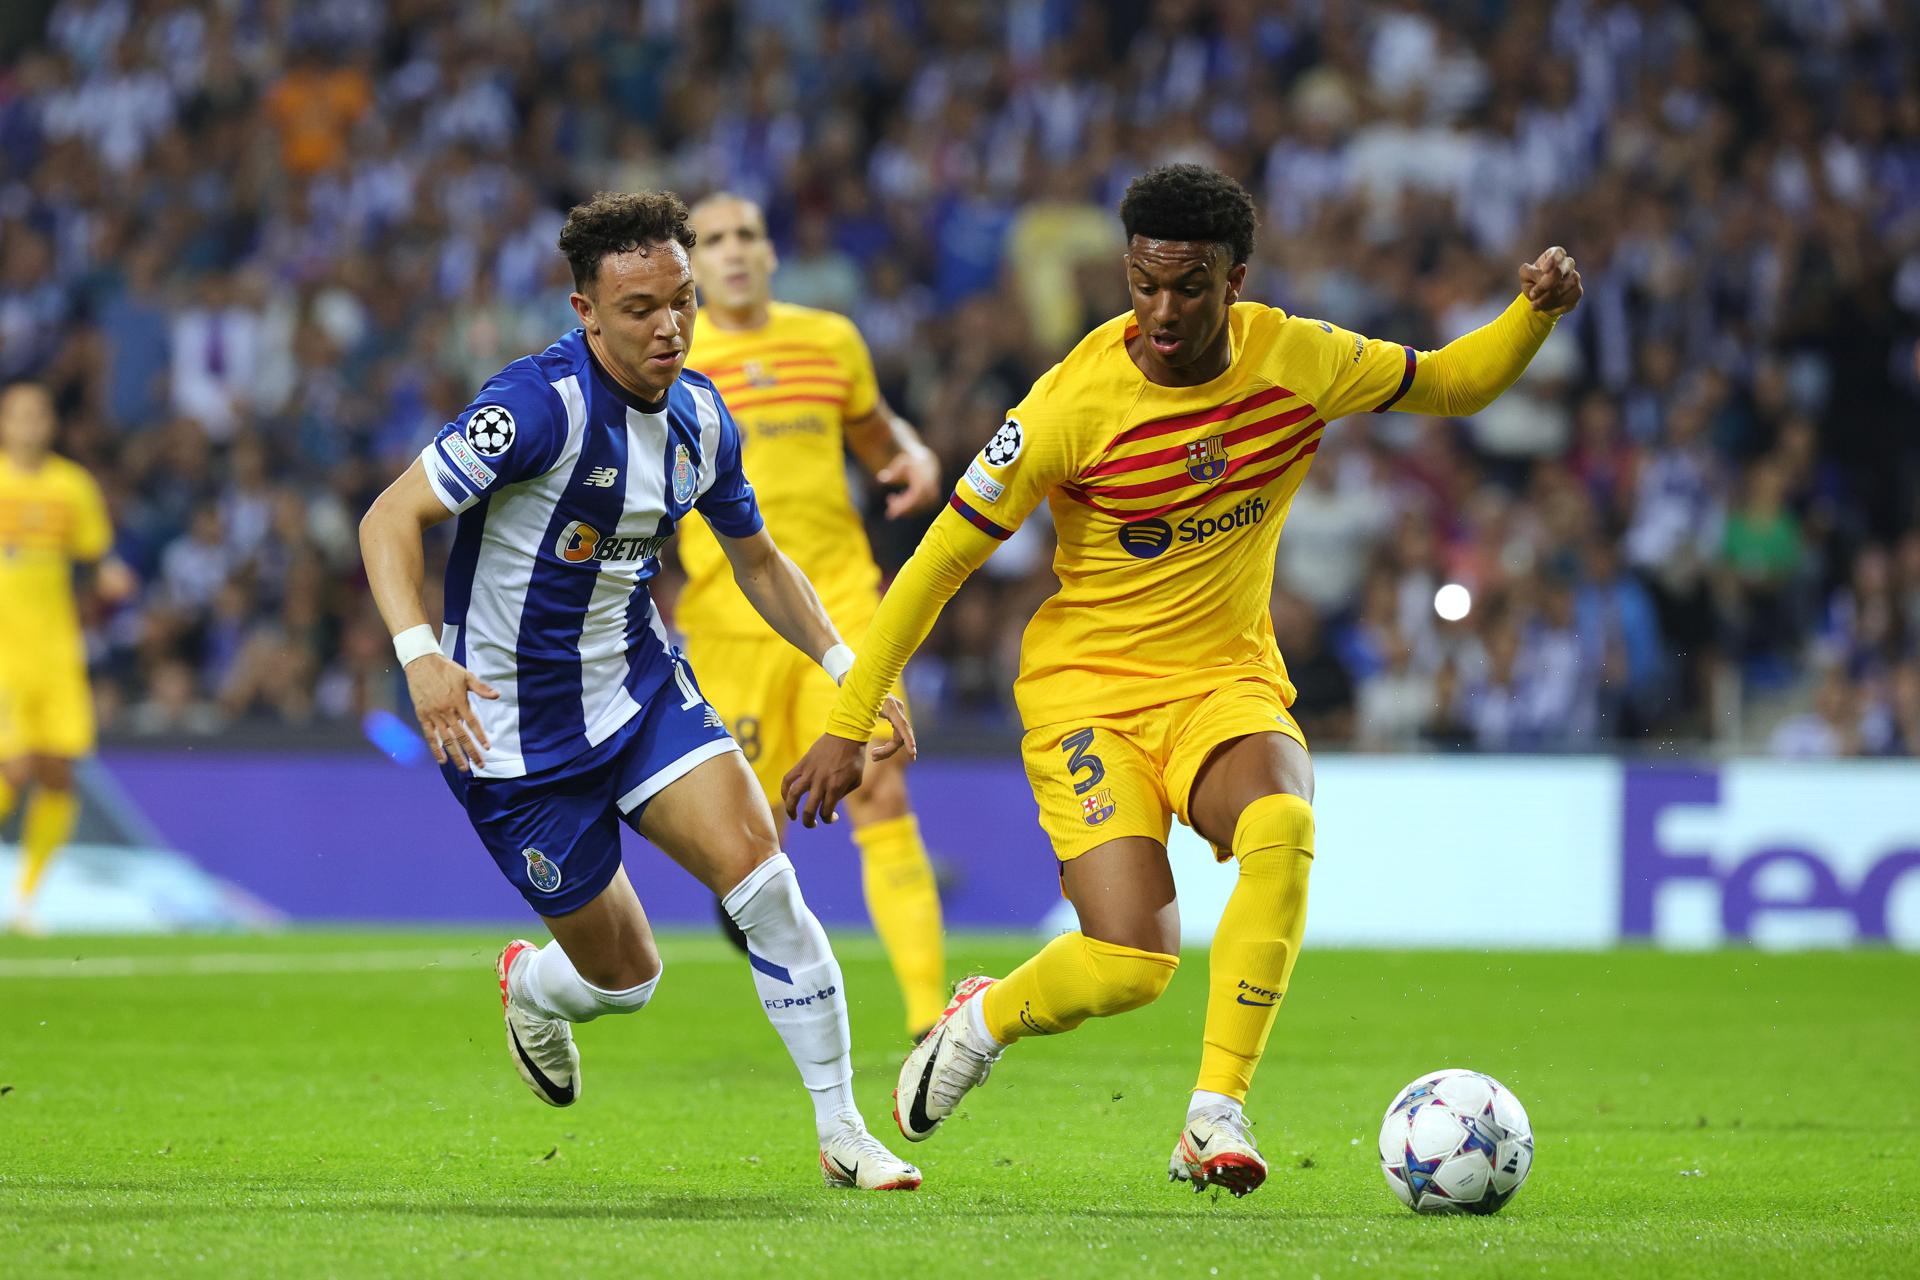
pixel 542 1048
pixel 1215 1149
pixel 949 1061
pixel 853 1159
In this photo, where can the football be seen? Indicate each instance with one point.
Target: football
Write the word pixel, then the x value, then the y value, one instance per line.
pixel 1455 1141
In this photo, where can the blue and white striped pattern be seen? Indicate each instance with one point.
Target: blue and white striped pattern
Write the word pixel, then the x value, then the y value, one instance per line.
pixel 559 532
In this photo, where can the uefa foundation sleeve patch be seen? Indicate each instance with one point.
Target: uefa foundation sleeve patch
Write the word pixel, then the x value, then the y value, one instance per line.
pixel 983 484
pixel 461 454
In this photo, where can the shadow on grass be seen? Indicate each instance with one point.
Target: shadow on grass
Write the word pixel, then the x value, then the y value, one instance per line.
pixel 74 1202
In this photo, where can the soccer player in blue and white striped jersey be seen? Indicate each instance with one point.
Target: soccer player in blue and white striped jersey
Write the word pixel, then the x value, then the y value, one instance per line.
pixel 552 696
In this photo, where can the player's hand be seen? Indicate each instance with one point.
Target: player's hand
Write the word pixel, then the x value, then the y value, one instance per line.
pixel 114 582
pixel 916 470
pixel 896 713
pixel 831 768
pixel 440 687
pixel 1551 283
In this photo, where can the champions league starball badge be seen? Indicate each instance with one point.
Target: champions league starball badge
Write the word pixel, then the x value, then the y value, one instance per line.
pixel 490 430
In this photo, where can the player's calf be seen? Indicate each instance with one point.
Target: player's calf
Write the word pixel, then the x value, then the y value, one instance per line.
pixel 541 996
pixel 800 986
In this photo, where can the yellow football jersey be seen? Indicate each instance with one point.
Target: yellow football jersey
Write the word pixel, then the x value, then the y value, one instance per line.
pixel 792 385
pixel 1167 503
pixel 50 518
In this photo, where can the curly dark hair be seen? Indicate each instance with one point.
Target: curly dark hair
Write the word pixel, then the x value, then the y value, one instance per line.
pixel 1190 202
pixel 620 222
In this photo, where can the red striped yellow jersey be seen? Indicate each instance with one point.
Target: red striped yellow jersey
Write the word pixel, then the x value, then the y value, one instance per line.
pixel 1168 504
pixel 792 384
pixel 51 518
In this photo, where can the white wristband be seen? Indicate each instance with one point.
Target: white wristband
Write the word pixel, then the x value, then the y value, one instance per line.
pixel 415 642
pixel 838 661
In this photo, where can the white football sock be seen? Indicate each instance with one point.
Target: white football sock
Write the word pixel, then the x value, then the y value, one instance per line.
pixel 799 984
pixel 547 982
pixel 1203 1098
pixel 975 1023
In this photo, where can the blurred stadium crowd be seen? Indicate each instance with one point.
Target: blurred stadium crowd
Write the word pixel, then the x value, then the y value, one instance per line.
pixel 263 249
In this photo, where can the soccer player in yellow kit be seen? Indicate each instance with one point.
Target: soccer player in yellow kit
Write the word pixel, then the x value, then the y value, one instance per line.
pixel 51 518
pixel 801 385
pixel 1169 444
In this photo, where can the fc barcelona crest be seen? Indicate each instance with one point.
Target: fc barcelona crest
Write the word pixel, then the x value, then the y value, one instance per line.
pixel 683 475
pixel 1207 459
pixel 758 375
pixel 1099 806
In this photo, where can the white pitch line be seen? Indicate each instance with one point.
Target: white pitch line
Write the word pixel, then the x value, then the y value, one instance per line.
pixel 676 950
pixel 237 962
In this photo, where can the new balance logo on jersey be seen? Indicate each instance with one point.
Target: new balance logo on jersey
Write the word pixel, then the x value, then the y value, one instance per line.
pixel 602 477
pixel 580 543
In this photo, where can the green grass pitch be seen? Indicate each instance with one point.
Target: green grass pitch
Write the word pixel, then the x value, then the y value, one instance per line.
pixel 341 1104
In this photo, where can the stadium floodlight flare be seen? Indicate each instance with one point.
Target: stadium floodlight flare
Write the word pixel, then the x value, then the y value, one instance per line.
pixel 1452 602
pixel 1455 1141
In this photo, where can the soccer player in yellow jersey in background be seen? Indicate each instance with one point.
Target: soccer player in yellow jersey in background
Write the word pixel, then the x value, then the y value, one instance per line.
pixel 51 518
pixel 1169 444
pixel 801 385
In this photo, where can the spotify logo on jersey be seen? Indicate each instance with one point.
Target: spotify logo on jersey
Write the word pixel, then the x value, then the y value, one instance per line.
pixel 1145 539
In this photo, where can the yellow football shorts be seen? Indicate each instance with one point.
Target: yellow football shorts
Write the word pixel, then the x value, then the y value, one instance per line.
pixel 45 710
pixel 774 699
pixel 1106 777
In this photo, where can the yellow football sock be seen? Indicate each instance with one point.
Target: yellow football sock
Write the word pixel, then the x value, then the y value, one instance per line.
pixel 49 821
pixel 1074 978
pixel 904 904
pixel 1257 941
pixel 7 796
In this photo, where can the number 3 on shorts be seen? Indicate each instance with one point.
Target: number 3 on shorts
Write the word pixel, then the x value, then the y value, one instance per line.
pixel 1081 760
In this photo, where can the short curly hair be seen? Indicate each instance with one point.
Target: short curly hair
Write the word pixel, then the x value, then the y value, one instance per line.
pixel 1190 202
pixel 620 222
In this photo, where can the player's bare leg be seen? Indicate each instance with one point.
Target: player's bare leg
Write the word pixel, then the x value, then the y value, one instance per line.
pixel 903 900
pixel 1122 957
pixel 1253 796
pixel 52 808
pixel 715 823
pixel 602 960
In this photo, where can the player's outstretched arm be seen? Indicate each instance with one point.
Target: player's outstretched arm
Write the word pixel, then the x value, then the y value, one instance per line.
pixel 780 593
pixel 391 548
pixel 893 453
pixel 1472 371
pixel 835 764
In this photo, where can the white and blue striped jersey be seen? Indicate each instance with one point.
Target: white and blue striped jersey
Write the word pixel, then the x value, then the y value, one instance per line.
pixel 567 488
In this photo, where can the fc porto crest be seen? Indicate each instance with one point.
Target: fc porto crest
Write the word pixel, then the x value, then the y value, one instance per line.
pixel 1099 806
pixel 683 474
pixel 542 872
pixel 1207 459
